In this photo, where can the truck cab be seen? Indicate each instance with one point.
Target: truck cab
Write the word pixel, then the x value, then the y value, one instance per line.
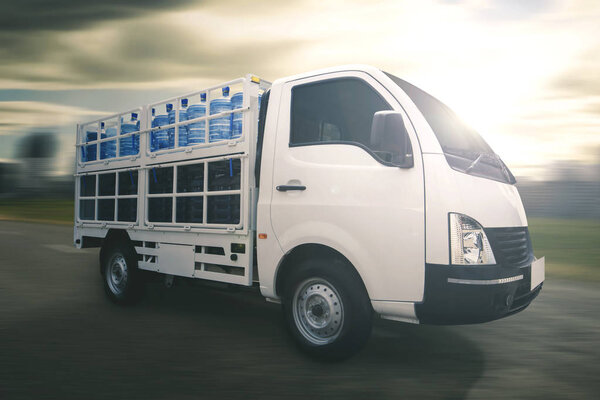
pixel 357 194
pixel 388 177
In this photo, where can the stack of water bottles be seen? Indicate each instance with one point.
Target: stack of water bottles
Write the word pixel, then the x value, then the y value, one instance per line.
pixel 183 129
pixel 224 127
pixel 159 139
pixel 130 145
pixel 88 153
pixel 171 131
pixel 236 118
pixel 220 128
pixel 196 130
pixel 237 101
pixel 108 149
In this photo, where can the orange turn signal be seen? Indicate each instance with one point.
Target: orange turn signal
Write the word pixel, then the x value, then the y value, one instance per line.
pixel 262 235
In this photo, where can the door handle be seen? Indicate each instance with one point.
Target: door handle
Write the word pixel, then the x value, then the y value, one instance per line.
pixel 286 188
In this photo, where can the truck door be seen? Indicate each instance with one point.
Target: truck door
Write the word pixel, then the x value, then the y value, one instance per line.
pixel 334 191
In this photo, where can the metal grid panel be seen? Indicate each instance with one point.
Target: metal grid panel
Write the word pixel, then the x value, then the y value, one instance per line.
pixel 96 198
pixel 174 194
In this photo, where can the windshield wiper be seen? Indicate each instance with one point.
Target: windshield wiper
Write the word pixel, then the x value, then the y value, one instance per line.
pixel 492 158
pixel 474 163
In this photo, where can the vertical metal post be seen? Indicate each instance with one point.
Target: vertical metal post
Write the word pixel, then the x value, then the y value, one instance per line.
pixel 142 199
pixel 117 140
pixel 176 144
pixel 204 194
pixel 77 193
pixel 97 185
pixel 116 216
pixel 173 197
pixel 77 184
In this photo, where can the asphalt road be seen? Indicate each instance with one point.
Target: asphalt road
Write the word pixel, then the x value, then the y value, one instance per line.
pixel 61 338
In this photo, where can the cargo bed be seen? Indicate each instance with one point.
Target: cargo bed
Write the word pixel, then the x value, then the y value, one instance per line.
pixel 189 209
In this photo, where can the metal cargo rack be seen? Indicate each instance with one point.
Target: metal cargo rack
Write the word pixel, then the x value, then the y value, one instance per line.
pixel 251 87
pixel 143 193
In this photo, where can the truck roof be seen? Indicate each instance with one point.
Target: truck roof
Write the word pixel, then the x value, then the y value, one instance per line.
pixel 348 67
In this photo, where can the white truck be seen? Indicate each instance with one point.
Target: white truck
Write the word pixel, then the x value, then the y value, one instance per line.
pixel 339 193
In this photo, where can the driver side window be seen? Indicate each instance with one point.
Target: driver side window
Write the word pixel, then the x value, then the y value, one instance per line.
pixel 334 111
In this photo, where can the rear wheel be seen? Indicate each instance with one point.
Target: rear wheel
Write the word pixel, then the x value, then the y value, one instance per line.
pixel 121 278
pixel 327 309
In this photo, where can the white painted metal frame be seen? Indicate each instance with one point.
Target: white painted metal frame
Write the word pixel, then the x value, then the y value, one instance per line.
pixel 176 101
pixel 96 197
pixel 151 256
pixel 108 163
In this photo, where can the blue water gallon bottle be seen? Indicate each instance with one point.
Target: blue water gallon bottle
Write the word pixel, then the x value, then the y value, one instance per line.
pixel 196 130
pixel 152 136
pixel 183 129
pixel 236 118
pixel 128 145
pixel 160 136
pixel 108 149
pixel 220 128
pixel 171 120
pixel 88 153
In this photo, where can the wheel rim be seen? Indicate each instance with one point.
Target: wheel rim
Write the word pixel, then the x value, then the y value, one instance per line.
pixel 116 275
pixel 318 311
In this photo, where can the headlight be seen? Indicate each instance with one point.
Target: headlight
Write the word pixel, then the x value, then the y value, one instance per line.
pixel 468 243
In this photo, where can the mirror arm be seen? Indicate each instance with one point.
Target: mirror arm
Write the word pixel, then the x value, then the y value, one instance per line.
pixel 407 163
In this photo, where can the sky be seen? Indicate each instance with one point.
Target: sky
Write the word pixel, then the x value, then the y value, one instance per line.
pixel 525 74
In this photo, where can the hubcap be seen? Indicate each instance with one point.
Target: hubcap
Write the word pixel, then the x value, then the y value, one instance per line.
pixel 318 311
pixel 117 274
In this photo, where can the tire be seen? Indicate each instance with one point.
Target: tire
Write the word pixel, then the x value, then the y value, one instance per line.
pixel 121 278
pixel 327 309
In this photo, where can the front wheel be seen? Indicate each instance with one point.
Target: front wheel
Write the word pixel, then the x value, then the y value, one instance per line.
pixel 327 309
pixel 121 278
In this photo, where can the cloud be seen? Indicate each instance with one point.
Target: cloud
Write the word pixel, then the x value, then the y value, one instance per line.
pixel 582 78
pixel 171 47
pixel 505 66
pixel 592 107
pixel 22 116
pixel 62 15
pixel 504 10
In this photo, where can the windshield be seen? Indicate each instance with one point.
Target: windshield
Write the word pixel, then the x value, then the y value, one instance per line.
pixel 465 149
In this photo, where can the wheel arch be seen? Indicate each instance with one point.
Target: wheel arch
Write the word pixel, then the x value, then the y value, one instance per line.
pixel 306 251
pixel 113 236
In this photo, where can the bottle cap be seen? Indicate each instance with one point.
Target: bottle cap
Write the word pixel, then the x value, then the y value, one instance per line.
pixel 226 91
pixel 169 107
pixel 184 102
pixel 203 97
pixel 134 116
pixel 153 112
pixel 102 125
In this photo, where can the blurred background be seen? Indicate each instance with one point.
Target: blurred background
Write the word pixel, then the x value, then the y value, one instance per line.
pixel 525 74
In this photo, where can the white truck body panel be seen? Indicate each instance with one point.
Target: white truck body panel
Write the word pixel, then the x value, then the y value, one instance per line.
pixel 451 191
pixel 352 204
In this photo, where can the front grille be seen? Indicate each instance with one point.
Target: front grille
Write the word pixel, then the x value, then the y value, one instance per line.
pixel 511 246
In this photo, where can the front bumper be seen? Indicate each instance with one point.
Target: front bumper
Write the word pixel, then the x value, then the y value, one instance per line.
pixel 472 294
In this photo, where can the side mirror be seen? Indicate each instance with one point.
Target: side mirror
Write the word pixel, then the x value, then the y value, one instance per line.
pixel 389 139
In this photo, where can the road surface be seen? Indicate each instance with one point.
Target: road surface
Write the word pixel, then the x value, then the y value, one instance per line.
pixel 61 338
